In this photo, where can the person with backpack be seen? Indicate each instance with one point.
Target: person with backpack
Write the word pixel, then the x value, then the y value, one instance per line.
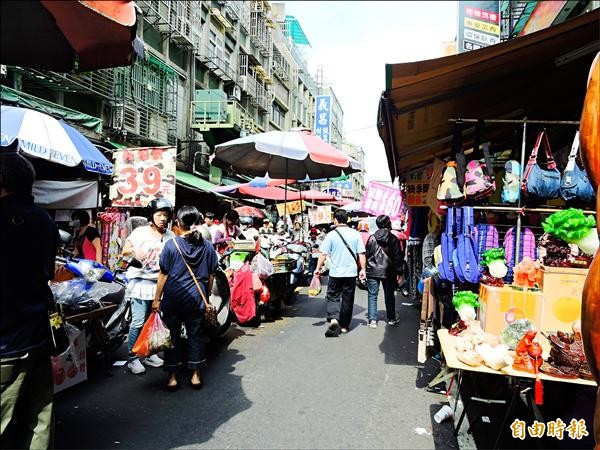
pixel 346 250
pixel 385 266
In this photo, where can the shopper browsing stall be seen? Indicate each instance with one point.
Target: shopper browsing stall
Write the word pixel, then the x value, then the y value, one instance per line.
pixel 87 239
pixel 146 244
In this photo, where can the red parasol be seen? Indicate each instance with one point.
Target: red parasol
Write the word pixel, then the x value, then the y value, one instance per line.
pixel 67 35
pixel 250 211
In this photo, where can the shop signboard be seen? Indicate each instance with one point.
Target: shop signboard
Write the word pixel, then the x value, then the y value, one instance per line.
pixel 417 187
pixel 478 24
pixel 143 174
pixel 323 117
pixel 295 207
pixel 318 215
pixel 344 187
pixel 382 199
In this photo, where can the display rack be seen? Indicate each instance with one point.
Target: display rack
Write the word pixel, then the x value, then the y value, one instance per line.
pixel 520 207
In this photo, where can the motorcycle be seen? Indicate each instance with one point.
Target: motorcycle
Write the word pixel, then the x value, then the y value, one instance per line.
pixel 93 297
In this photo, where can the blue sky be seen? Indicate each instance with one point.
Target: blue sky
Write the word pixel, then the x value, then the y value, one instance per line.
pixel 353 40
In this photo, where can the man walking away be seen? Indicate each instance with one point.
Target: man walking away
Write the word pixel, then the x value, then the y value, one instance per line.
pixel 345 248
pixel 29 242
pixel 385 266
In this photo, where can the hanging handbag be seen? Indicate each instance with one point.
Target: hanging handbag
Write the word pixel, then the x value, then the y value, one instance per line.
pixel 210 313
pixel 541 184
pixel 511 183
pixel 446 267
pixel 458 221
pixel 575 184
pixel 450 190
pixel 466 250
pixel 479 176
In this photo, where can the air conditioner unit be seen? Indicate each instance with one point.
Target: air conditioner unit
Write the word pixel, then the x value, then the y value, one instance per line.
pixel 244 83
pixel 237 93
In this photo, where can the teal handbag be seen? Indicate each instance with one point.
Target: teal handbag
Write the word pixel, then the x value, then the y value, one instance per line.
pixel 541 184
pixel 575 184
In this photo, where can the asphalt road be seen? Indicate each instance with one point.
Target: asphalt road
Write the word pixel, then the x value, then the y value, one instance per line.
pixel 283 385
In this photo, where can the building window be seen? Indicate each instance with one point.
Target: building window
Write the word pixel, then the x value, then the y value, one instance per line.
pixel 277 115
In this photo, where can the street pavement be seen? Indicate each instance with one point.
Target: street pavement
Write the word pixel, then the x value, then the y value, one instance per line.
pixel 282 385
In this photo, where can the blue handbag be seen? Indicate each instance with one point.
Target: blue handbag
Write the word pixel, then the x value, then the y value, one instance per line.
pixel 446 267
pixel 575 184
pixel 541 184
pixel 465 249
pixel 455 260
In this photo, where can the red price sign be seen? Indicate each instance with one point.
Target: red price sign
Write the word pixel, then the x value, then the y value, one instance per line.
pixel 141 175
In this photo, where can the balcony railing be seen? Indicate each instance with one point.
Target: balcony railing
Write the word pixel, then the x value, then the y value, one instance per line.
pixel 207 114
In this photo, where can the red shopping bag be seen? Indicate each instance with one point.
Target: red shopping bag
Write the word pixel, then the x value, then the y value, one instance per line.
pixel 153 338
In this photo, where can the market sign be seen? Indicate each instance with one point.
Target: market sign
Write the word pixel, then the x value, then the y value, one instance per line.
pixel 382 199
pixel 318 215
pixel 295 207
pixel 143 174
pixel 344 187
pixel 417 187
pixel 323 117
pixel 478 24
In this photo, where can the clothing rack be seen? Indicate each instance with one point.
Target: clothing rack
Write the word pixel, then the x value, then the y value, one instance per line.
pixel 519 206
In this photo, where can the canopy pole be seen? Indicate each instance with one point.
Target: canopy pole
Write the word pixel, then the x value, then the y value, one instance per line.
pixel 285 194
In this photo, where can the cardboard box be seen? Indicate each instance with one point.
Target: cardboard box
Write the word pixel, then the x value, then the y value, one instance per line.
pixel 70 368
pixel 562 288
pixel 502 306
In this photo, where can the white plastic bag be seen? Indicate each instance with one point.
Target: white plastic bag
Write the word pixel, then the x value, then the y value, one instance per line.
pixel 262 266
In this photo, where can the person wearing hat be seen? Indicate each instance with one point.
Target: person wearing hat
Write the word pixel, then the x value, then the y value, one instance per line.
pixel 314 242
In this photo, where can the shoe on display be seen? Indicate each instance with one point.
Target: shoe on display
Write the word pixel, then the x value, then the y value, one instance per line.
pixel 153 361
pixel 373 324
pixel 136 367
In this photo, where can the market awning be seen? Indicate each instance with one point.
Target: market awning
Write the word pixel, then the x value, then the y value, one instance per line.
pixel 194 182
pixel 542 76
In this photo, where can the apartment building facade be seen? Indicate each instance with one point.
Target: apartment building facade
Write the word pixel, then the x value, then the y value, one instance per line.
pixel 212 71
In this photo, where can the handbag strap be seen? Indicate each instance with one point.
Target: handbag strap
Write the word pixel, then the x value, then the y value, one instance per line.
pixel 450 222
pixel 458 153
pixel 542 139
pixel 574 150
pixel 206 302
pixel 346 244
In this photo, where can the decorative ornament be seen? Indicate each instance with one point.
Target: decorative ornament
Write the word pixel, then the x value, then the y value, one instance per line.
pixel 574 227
pixel 465 303
pixel 494 260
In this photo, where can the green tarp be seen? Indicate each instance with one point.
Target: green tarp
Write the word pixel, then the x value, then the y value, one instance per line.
pixel 193 181
pixel 25 100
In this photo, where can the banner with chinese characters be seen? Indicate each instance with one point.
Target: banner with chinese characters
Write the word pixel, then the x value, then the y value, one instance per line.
pixel 295 207
pixel 417 187
pixel 478 24
pixel 143 174
pixel 318 215
pixel 382 199
pixel 323 117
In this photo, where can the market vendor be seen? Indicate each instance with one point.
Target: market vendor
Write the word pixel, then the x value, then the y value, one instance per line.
pixel 87 238
pixel 231 231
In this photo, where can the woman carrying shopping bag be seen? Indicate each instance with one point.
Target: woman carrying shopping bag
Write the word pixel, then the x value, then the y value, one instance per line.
pixel 187 266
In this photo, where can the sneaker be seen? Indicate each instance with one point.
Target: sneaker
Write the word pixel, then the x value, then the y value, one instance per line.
pixel 136 367
pixel 333 330
pixel 153 361
pixel 343 330
pixel 393 322
pixel 373 324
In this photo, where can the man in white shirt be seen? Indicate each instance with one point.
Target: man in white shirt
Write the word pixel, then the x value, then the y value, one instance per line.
pixel 345 249
pixel 209 221
pixel 145 244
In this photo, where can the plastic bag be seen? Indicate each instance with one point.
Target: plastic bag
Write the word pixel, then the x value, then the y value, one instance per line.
pixel 262 266
pixel 314 288
pixel 153 338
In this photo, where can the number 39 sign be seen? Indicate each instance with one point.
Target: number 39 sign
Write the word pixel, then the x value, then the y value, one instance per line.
pixel 142 174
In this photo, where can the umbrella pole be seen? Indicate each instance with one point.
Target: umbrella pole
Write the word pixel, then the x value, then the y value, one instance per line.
pixel 285 194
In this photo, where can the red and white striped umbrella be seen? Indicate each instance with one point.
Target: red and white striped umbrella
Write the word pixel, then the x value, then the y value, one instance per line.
pixel 296 154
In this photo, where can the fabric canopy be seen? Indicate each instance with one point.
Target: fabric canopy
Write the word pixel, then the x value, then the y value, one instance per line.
pixel 76 194
pixel 266 193
pixel 541 76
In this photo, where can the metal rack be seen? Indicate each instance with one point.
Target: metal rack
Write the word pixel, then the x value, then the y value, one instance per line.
pixel 520 207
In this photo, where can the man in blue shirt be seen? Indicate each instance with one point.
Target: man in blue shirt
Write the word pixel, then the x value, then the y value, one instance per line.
pixel 345 249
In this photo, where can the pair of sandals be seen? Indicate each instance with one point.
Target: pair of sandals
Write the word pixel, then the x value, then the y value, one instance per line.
pixel 174 387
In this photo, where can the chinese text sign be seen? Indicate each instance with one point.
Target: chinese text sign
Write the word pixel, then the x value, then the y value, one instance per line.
pixel 382 199
pixel 143 174
pixel 323 117
pixel 478 24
